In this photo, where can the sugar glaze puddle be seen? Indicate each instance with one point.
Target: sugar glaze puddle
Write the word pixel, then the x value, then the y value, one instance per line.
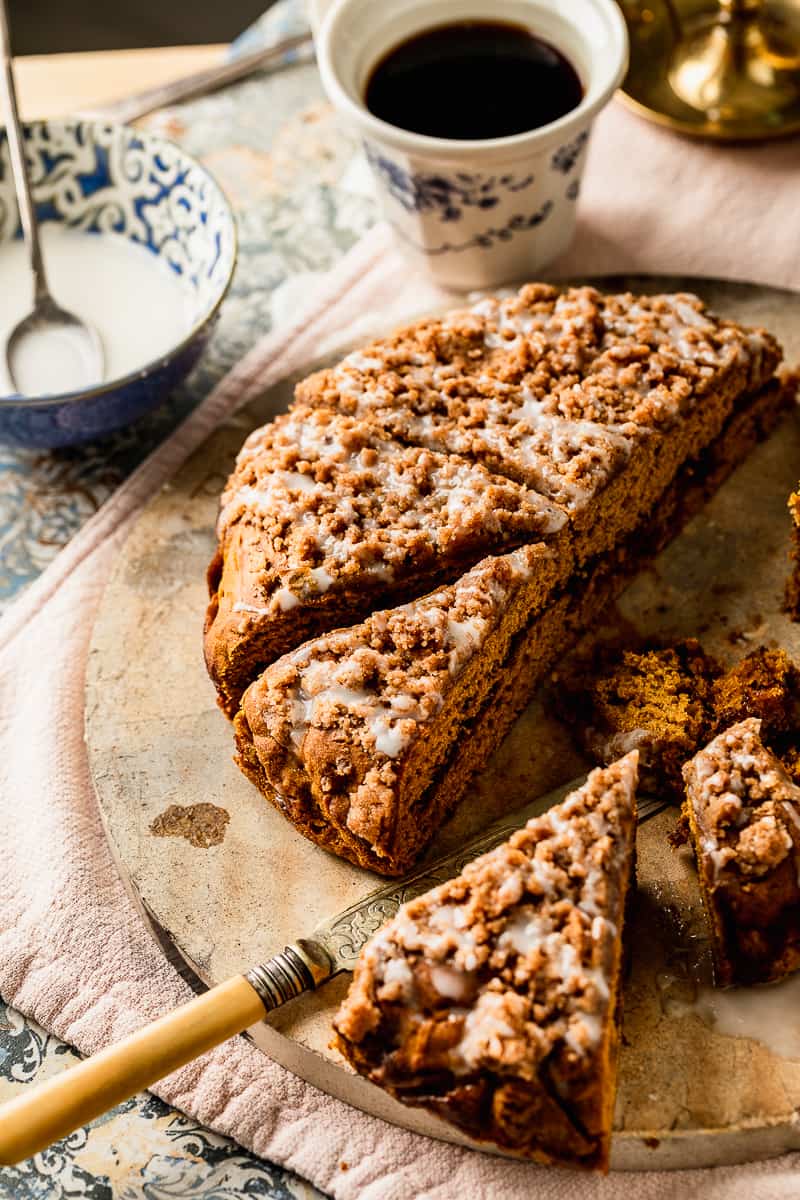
pixel 769 1014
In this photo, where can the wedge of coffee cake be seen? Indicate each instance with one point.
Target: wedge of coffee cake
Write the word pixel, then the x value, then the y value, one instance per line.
pixel 584 428
pixel 494 1000
pixel 365 737
pixel 743 813
pixel 326 519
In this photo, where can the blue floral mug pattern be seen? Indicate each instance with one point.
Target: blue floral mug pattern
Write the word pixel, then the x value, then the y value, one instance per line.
pixel 476 213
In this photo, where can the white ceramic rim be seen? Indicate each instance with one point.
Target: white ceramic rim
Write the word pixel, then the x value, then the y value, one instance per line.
pixel 607 74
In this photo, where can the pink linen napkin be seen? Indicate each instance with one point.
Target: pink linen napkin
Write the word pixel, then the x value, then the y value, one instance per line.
pixel 74 953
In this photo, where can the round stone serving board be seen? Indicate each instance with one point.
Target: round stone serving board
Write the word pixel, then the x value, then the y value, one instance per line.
pixel 688 1096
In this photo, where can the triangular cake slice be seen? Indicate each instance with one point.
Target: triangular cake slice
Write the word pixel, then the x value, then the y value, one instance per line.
pixel 365 738
pixel 594 400
pixel 743 812
pixel 494 1000
pixel 325 519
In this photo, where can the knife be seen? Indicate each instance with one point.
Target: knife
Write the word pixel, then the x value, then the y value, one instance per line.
pixel 42 1114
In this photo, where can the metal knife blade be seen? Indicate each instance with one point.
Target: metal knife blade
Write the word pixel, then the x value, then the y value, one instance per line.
pixel 335 944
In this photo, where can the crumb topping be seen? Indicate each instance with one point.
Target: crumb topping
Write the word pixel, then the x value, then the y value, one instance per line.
pixel 551 388
pixel 746 806
pixel 337 501
pixel 509 964
pixel 375 683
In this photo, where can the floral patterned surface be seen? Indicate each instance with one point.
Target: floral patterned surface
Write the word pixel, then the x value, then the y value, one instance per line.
pixel 301 202
pixel 142 1150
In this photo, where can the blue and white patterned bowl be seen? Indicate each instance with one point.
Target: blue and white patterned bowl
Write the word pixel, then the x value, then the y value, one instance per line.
pixel 103 178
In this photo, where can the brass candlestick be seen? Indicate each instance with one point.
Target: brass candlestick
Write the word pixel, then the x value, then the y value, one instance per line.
pixel 729 71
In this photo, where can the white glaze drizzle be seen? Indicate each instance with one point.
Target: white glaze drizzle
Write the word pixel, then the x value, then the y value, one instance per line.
pixel 444 936
pixel 337 515
pixel 767 1014
pixel 389 715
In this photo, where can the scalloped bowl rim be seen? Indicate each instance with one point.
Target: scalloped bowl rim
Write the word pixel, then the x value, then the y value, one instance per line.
pixel 108 387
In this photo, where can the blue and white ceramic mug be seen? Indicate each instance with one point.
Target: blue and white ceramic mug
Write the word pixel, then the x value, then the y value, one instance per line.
pixel 477 213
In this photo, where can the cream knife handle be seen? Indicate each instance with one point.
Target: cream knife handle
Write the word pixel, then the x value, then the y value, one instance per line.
pixel 42 1114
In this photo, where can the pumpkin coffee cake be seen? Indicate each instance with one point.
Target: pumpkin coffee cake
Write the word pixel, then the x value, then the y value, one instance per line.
pixel 494 1000
pixel 743 813
pixel 576 427
pixel 352 735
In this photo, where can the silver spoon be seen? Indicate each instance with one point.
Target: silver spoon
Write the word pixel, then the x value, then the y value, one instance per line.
pixel 47 316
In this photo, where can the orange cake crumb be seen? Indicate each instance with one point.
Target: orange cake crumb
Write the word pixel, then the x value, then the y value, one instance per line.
pixel 667 701
pixel 655 699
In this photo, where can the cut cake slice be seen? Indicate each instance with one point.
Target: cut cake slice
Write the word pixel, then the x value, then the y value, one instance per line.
pixel 743 812
pixel 325 519
pixel 352 735
pixel 593 400
pixel 494 1000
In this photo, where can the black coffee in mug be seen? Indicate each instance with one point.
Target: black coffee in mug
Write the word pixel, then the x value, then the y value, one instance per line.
pixel 471 80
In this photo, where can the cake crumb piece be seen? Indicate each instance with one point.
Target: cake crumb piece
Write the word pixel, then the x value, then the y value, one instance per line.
pixel 669 700
pixel 655 699
pixel 765 685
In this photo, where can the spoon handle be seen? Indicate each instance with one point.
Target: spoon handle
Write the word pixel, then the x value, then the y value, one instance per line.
pixel 16 147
